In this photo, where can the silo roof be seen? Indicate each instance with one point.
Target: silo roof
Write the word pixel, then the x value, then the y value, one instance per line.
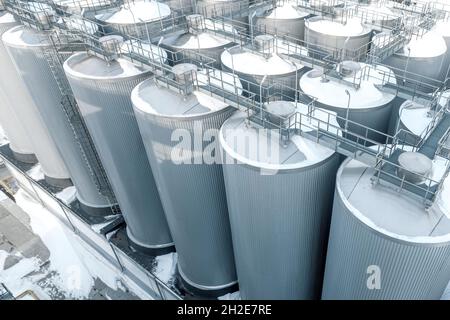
pixel 352 28
pixel 442 28
pixel 393 214
pixel 150 98
pixel 332 93
pixel 239 140
pixel 135 12
pixel 22 36
pixel 190 41
pixel 84 66
pixel 287 11
pixel 251 63
pixel 82 3
pixel 6 17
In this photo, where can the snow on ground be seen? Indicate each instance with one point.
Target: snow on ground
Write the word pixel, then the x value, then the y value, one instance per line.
pixel 166 267
pixel 3 138
pixel 67 195
pixel 71 276
pixel 36 173
pixel 231 296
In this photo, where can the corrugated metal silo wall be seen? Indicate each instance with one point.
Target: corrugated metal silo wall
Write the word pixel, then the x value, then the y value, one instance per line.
pixel 43 145
pixel 17 134
pixel 280 225
pixel 421 70
pixel 194 199
pixel 407 271
pixel 41 84
pixel 107 110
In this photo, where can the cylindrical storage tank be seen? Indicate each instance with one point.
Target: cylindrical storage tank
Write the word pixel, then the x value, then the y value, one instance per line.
pixel 348 41
pixel 378 15
pixel 197 42
pixel 366 105
pixel 182 7
pixel 285 20
pixel 384 244
pixel 234 11
pixel 253 67
pixel 25 112
pixel 279 203
pixel 140 19
pixel 19 140
pixel 420 64
pixel 191 189
pixel 323 6
pixel 102 90
pixel 26 48
pixel 442 27
pixel 83 6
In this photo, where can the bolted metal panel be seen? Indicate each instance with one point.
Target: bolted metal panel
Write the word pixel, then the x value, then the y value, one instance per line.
pixel 107 110
pixel 279 226
pixel 25 110
pixel 35 71
pixel 19 140
pixel 408 270
pixel 193 196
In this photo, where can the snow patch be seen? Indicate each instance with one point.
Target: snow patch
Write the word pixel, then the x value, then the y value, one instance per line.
pixel 36 173
pixel 68 195
pixel 165 267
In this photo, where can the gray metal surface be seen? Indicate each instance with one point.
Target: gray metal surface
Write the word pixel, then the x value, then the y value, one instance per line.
pixel 236 10
pixel 193 195
pixel 42 86
pixel 105 105
pixel 408 270
pixel 24 109
pixel 279 226
pixel 18 137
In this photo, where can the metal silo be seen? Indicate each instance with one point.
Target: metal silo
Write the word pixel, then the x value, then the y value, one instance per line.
pixel 19 140
pixel 102 90
pixel 442 27
pixel 356 95
pixel 25 112
pixel 141 19
pixel 29 49
pixel 349 39
pixel 286 19
pixel 83 6
pixel 420 64
pixel 379 15
pixel 279 203
pixel 234 11
pixel 197 40
pixel 191 188
pixel 384 244
pixel 262 67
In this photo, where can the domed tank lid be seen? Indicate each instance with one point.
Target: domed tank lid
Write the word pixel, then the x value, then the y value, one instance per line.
pixel 414 117
pixel 84 66
pixel 24 37
pixel 349 68
pixel 391 214
pixel 6 17
pixel 333 93
pixel 414 166
pixel 135 12
pixel 240 142
pixel 280 108
pixel 247 62
pixel 352 28
pixel 429 45
pixel 287 11
pixel 159 101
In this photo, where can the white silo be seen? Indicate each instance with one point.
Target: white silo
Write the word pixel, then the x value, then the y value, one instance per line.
pixel 284 20
pixel 198 40
pixel 191 187
pixel 19 140
pixel 141 19
pixel 279 202
pixel 355 97
pixel 102 90
pixel 233 11
pixel 262 67
pixel 83 6
pixel 29 51
pixel 385 244
pixel 378 15
pixel 420 64
pixel 348 39
pixel 25 112
pixel 442 27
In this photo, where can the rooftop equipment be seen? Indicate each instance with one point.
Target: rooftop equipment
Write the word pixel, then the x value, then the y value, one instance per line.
pixel 102 90
pixel 189 174
pixel 279 201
